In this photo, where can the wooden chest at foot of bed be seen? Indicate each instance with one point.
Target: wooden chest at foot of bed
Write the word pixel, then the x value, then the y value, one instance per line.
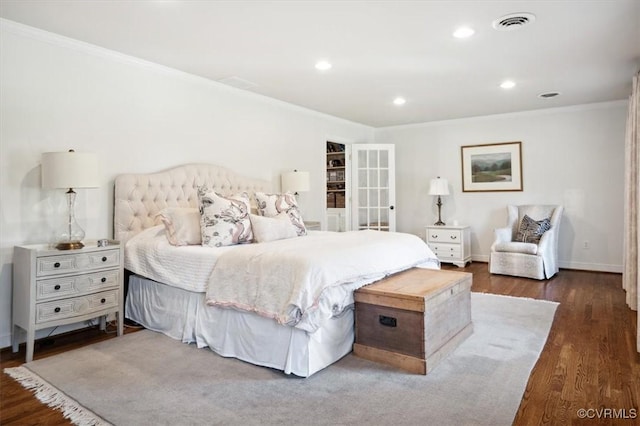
pixel 413 319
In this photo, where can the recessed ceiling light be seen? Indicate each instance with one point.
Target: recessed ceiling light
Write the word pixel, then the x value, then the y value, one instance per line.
pixel 399 101
pixel 323 65
pixel 463 32
pixel 549 95
pixel 508 84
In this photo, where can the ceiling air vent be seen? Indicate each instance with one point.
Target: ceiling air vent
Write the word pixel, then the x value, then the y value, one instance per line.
pixel 239 83
pixel 513 21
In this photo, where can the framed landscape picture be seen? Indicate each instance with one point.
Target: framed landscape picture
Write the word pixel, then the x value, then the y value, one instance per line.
pixel 492 167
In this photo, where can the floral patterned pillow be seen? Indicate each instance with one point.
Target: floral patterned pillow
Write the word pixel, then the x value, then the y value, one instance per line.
pixel 271 205
pixel 224 220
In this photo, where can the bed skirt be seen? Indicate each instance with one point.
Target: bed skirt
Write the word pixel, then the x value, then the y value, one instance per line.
pixel 183 315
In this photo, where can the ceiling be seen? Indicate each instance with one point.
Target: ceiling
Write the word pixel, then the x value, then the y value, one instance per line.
pixel 587 50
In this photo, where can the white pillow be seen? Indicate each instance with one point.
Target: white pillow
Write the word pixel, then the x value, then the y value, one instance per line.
pixel 182 225
pixel 224 221
pixel 271 205
pixel 267 229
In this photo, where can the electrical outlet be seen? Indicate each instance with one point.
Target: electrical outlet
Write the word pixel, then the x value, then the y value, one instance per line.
pixel 585 245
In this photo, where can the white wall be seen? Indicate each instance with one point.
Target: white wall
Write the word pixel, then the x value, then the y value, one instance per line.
pixel 57 94
pixel 571 156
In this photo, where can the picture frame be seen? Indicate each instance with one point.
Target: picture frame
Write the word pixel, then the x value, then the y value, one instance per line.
pixel 492 167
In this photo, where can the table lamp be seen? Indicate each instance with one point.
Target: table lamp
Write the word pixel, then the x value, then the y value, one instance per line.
pixel 295 182
pixel 439 187
pixel 70 170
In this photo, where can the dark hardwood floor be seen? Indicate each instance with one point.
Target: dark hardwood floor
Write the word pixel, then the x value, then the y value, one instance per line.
pixel 589 362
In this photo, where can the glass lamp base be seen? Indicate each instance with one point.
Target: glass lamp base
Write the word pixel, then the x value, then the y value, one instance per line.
pixel 69 245
pixel 71 235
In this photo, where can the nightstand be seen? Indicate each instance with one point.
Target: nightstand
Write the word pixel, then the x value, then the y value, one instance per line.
pixel 452 244
pixel 56 287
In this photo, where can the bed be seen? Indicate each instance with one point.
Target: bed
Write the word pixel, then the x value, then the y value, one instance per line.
pixel 236 299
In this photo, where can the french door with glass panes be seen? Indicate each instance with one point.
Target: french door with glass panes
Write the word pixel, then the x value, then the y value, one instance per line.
pixel 373 194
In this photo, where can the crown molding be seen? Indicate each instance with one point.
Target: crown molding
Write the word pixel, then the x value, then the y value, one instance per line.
pixel 528 113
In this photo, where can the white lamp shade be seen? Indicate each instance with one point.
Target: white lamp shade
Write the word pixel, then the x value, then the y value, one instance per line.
pixel 439 186
pixel 295 181
pixel 69 170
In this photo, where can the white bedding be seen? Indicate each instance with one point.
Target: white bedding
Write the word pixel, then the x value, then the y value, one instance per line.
pixel 299 282
pixel 183 315
pixel 150 255
pixel 304 281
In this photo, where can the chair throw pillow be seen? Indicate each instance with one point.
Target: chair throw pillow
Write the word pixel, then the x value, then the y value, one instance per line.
pixel 530 231
pixel 224 220
pixel 271 205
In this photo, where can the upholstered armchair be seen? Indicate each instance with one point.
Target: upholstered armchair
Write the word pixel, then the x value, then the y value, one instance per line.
pixel 530 248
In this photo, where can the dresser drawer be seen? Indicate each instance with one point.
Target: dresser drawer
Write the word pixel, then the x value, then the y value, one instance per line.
pixel 76 306
pixel 80 262
pixel 76 285
pixel 446 251
pixel 444 235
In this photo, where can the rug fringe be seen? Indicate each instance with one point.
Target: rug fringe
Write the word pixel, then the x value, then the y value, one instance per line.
pixel 54 398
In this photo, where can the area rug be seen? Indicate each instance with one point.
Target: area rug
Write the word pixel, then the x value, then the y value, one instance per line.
pixel 146 378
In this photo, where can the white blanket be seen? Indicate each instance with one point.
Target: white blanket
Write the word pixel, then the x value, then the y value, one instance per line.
pixel 286 279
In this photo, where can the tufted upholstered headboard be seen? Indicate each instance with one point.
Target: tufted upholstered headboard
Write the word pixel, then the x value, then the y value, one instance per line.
pixel 140 197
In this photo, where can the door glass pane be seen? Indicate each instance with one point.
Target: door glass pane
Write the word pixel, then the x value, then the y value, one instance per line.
pixel 384 178
pixel 373 217
pixel 363 182
pixel 362 159
pixel 362 197
pixel 384 217
pixel 384 159
pixel 363 219
pixel 373 198
pixel 373 179
pixel 384 198
pixel 373 159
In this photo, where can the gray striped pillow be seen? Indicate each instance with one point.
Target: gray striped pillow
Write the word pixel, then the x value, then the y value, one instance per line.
pixel 530 231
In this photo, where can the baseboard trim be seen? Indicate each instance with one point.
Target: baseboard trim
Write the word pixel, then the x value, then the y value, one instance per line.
pixel 597 267
pixel 579 266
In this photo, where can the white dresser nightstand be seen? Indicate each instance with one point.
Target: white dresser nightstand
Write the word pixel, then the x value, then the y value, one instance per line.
pixel 55 287
pixel 452 244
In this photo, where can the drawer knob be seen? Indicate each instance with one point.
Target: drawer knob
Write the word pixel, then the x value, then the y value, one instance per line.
pixel 104 258
pixel 57 287
pixel 104 279
pixel 56 310
pixel 453 237
pixel 56 265
pixel 103 300
pixel 434 236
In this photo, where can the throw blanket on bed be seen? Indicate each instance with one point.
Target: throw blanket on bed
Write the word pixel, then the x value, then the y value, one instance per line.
pixel 285 279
